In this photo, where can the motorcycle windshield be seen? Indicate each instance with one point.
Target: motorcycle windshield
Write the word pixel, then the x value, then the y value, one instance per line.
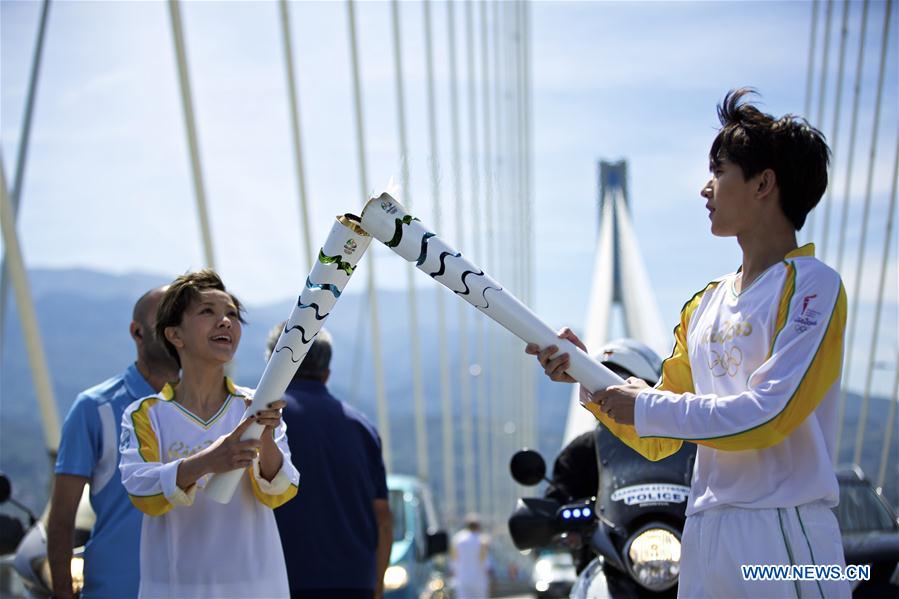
pixel 632 487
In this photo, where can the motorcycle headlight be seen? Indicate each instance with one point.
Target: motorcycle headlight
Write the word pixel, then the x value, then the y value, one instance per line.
pixel 653 557
pixel 395 577
pixel 434 589
pixel 543 570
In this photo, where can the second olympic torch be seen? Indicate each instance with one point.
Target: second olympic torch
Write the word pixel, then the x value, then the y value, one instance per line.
pixel 387 221
pixel 337 260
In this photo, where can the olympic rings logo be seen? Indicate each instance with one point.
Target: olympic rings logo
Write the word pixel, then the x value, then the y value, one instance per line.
pixel 726 362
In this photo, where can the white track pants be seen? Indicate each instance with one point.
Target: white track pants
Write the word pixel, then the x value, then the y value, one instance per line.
pixel 472 589
pixel 717 542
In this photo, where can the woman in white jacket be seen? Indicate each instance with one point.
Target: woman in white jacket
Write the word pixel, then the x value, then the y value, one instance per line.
pixel 192 546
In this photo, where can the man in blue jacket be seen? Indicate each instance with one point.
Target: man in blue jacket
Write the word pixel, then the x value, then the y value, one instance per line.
pixel 89 454
pixel 337 531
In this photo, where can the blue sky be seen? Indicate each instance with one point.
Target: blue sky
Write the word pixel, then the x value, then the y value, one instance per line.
pixel 108 182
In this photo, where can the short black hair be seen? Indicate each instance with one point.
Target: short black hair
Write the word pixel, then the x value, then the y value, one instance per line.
pixel 178 297
pixel 793 149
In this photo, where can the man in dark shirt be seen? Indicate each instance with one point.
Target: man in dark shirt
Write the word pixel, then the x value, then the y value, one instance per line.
pixel 338 530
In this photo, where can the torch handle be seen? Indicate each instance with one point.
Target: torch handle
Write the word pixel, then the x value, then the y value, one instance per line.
pixel 336 263
pixel 514 316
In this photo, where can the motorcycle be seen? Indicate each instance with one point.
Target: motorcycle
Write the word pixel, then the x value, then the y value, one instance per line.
pixel 630 531
pixel 25 551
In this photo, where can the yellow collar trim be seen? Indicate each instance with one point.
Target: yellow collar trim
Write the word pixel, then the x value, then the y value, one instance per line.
pixel 168 391
pixel 807 251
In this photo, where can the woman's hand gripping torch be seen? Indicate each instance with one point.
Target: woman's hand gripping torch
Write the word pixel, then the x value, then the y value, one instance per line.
pixel 387 221
pixel 337 260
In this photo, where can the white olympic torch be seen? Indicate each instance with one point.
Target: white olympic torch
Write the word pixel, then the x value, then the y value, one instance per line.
pixel 336 261
pixel 387 221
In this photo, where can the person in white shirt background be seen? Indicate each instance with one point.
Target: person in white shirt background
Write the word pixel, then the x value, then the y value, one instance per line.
pixel 469 562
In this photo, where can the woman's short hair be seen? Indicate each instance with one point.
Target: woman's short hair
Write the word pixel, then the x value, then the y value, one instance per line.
pixel 181 293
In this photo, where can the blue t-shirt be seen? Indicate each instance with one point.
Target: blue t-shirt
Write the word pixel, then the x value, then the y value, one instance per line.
pixel 89 447
pixel 329 531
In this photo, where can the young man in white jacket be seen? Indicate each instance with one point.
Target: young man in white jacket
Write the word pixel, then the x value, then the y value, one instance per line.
pixel 754 376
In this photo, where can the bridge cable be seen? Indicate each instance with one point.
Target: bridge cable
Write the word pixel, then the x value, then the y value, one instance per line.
pixel 822 88
pixel 835 129
pixel 887 242
pixel 295 131
pixel 37 358
pixel 810 73
pixel 488 441
pixel 527 162
pixel 380 395
pixel 480 399
pixel 22 154
pixel 860 429
pixel 190 126
pixel 421 444
pixel 449 462
pixel 465 413
pixel 841 226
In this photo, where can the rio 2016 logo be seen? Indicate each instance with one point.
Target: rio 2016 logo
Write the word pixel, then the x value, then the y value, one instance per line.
pixel 387 207
pixel 350 246
pixel 728 331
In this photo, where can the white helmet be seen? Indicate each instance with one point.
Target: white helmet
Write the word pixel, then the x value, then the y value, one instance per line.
pixel 633 357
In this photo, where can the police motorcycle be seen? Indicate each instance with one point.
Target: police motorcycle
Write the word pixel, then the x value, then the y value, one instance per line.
pixel 625 535
pixel 25 551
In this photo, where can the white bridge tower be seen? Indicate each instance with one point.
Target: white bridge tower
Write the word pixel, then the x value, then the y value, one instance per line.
pixel 619 278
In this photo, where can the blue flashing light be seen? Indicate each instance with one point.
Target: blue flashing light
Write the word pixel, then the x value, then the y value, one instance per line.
pixel 585 512
pixel 566 514
pixel 577 513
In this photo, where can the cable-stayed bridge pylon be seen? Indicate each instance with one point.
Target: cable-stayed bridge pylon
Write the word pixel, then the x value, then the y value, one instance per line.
pixel 619 278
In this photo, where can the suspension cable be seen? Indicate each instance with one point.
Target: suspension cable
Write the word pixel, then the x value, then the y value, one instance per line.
pixel 810 74
pixel 487 442
pixel 514 202
pixel 480 397
pixel 505 384
pixel 835 129
pixel 864 231
pixel 825 63
pixel 527 364
pixel 421 444
pixel 190 127
pixel 380 396
pixel 22 154
pixel 37 359
pixel 841 226
pixel 462 365
pixel 295 131
pixel 449 461
pixel 887 242
pixel 822 88
pixel 853 129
